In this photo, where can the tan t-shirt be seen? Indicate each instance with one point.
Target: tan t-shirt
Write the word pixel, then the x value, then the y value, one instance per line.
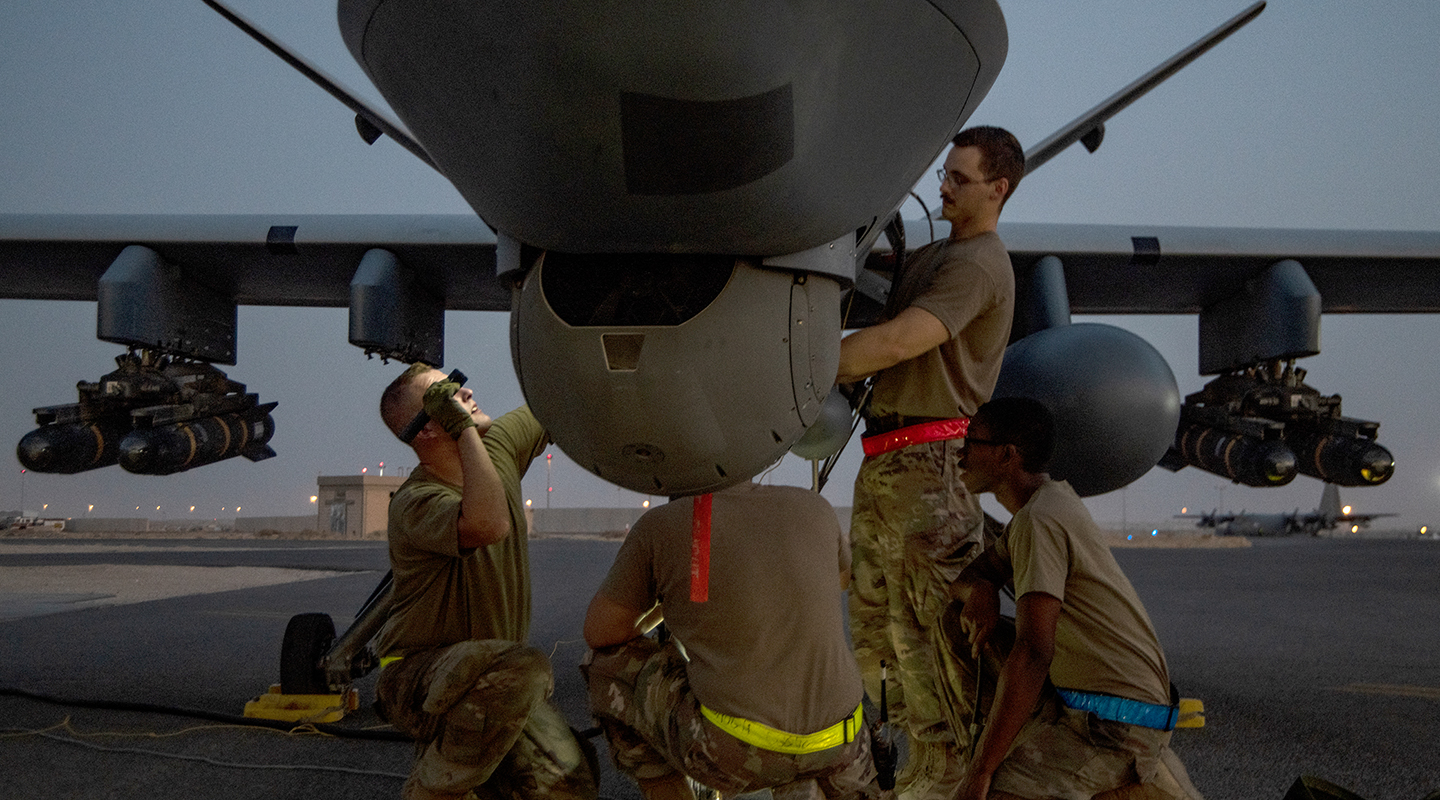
pixel 443 594
pixel 970 287
pixel 1104 641
pixel 769 644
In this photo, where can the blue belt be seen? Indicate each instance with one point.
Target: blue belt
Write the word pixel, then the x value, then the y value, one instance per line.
pixel 1121 709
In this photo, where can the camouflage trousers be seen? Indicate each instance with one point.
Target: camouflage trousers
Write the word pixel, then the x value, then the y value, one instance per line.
pixel 913 529
pixel 1061 752
pixel 482 721
pixel 640 695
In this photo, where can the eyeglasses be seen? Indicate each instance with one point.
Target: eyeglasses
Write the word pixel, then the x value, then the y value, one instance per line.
pixel 959 179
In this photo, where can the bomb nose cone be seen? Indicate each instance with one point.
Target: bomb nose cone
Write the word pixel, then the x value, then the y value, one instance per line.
pixel 138 455
pixel 69 448
pixel 1376 465
pixel 37 451
pixel 1276 464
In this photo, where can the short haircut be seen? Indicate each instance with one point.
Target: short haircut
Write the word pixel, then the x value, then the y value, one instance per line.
pixel 1025 423
pixel 392 401
pixel 1001 155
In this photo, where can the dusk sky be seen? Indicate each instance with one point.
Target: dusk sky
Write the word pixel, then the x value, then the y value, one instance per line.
pixel 1317 115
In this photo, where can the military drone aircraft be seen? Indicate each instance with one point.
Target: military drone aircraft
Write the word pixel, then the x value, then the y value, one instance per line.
pixel 682 212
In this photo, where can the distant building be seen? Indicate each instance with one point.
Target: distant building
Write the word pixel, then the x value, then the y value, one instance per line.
pixel 293 524
pixel 107 525
pixel 615 522
pixel 608 522
pixel 354 506
pixel 23 520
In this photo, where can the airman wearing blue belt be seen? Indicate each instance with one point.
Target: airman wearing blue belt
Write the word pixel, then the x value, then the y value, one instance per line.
pixel 1082 704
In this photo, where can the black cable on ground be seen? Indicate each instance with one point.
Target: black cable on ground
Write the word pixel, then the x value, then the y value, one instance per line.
pixel 232 719
pixel 214 716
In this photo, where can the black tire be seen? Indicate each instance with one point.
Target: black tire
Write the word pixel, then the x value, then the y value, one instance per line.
pixel 308 638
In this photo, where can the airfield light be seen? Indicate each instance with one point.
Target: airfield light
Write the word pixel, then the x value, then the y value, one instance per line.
pixel 90 508
pixel 364 470
pixel 645 503
pixel 1129 536
pixel 1354 528
pixel 528 501
pixel 1424 529
pixel 1345 510
pixel 1184 510
pixel 313 498
pixel 237 509
pixel 1155 532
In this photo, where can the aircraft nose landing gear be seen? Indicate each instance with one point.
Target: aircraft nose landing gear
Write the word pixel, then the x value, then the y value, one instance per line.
pixel 317 669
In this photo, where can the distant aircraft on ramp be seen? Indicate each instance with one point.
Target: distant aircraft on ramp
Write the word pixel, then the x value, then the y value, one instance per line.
pixel 1329 516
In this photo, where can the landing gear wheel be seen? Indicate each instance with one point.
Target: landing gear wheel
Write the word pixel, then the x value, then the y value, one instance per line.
pixel 307 638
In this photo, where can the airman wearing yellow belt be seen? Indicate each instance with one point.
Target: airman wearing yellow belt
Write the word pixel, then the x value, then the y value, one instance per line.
pixel 758 687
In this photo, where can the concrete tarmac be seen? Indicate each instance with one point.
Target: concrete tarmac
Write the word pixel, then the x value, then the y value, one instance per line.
pixel 1312 656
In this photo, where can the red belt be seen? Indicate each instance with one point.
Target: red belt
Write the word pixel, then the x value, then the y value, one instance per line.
pixel 937 431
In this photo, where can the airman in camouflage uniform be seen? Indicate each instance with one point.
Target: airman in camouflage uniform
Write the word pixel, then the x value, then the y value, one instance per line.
pixel 933 359
pixel 1081 705
pixel 915 528
pixel 758 688
pixel 477 705
pixel 639 693
pixel 455 673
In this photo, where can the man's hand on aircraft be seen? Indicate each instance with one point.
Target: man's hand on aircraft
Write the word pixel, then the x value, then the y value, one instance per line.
pixel 446 410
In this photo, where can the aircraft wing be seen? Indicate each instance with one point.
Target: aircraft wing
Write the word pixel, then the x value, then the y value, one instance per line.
pixel 1116 269
pixel 1208 520
pixel 308 260
pixel 1364 518
pixel 451 259
pixel 1146 269
pixel 275 259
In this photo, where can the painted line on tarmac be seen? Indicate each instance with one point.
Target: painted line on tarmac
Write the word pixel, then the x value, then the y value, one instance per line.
pixel 35 591
pixel 1392 689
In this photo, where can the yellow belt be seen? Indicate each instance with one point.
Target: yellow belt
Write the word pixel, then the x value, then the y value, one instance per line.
pixel 776 740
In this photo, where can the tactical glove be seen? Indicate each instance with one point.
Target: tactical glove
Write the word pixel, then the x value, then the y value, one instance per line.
pixel 446 410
